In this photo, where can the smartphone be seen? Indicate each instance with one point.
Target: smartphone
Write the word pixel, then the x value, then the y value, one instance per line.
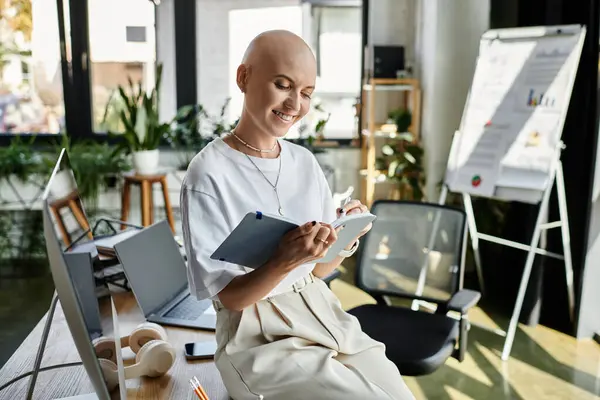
pixel 200 350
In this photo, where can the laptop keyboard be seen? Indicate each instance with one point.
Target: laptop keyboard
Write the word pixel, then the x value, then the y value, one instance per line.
pixel 188 309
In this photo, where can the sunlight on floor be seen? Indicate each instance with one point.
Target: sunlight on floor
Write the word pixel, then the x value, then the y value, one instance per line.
pixel 544 364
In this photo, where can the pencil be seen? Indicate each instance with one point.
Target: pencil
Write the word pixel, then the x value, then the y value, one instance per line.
pixel 196 390
pixel 201 389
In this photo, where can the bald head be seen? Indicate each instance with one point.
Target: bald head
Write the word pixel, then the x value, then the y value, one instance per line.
pixel 275 44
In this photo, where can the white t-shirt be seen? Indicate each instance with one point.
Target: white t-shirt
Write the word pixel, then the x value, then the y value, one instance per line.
pixel 222 185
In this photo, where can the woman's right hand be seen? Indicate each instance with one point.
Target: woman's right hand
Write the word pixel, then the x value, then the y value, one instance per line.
pixel 299 246
pixel 304 244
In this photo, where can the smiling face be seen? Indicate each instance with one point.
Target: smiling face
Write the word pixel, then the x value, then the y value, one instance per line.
pixel 278 78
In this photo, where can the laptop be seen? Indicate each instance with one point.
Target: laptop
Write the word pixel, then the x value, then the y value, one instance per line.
pixel 106 244
pixel 157 274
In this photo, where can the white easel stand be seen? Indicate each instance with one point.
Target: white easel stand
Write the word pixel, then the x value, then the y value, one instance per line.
pixel 556 174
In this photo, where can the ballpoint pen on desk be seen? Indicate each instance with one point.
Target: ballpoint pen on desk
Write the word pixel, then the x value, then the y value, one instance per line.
pixel 198 389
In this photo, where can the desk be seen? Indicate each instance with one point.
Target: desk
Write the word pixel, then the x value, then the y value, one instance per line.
pixel 71 381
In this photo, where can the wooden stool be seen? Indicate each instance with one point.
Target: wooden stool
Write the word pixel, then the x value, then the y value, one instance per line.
pixel 73 202
pixel 147 204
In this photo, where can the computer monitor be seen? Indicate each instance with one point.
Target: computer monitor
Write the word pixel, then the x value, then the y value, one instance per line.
pixel 70 300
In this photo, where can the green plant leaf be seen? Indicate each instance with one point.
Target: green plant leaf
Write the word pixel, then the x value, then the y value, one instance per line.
pixel 405 136
pixel 410 158
pixel 392 168
pixel 387 150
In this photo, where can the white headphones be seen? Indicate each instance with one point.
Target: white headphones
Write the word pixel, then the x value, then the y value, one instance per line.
pixel 154 355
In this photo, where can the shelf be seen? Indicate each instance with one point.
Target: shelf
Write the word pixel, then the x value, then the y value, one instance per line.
pixel 389 88
pixel 390 84
pixel 375 134
pixel 363 172
pixel 390 135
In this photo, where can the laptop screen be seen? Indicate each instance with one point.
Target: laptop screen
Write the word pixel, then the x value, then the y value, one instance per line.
pixel 154 266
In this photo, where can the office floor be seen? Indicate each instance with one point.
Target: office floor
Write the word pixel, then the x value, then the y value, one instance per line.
pixel 545 364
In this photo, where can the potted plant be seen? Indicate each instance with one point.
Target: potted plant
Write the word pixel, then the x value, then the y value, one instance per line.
pixel 315 134
pixel 142 129
pixel 404 158
pixel 402 118
pixel 186 138
pixel 218 124
pixel 92 168
pixel 196 130
pixel 18 159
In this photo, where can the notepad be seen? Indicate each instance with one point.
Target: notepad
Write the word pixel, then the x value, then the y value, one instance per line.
pixel 256 238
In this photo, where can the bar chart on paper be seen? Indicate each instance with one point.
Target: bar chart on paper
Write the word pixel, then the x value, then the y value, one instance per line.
pixel 512 121
pixel 538 99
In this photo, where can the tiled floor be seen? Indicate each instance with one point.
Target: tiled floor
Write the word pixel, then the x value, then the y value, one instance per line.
pixel 544 364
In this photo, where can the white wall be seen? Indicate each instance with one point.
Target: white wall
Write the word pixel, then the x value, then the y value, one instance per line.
pixel 447 45
pixel 165 54
pixel 588 322
pixel 392 22
pixel 107 23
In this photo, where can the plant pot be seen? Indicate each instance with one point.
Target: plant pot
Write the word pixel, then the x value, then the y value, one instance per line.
pixel 63 184
pixel 145 162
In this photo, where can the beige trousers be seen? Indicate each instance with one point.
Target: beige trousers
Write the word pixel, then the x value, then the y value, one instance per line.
pixel 302 345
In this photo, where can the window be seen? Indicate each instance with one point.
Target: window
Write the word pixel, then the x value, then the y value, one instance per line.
pixel 244 25
pixel 116 58
pixel 136 33
pixel 31 88
pixel 337 38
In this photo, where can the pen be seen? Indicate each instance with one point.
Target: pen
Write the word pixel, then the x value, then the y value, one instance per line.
pixel 346 201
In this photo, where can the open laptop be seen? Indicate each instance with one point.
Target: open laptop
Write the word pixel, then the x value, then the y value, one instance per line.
pixel 157 274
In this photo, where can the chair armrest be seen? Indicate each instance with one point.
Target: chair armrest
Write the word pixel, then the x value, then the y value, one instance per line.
pixel 463 300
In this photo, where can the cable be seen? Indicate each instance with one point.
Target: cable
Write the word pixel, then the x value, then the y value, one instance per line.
pixel 7 384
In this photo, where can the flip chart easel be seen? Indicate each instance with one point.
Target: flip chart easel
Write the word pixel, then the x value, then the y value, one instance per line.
pixel 508 146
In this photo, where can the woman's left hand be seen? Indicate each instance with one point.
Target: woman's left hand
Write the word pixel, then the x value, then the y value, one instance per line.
pixel 355 207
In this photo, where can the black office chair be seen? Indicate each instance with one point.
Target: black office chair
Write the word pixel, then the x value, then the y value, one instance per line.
pixel 415 251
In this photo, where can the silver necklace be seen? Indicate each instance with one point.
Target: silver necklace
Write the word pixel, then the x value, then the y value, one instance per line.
pixel 272 149
pixel 274 186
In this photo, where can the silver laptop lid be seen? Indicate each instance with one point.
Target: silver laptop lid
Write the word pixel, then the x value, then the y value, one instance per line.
pixel 154 266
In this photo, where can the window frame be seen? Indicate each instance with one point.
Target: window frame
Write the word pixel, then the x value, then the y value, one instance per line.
pixel 76 71
pixel 355 142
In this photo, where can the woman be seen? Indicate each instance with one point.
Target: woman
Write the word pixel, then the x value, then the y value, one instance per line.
pixel 281 333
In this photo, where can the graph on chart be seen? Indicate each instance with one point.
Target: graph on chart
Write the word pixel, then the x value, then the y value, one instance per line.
pixel 540 99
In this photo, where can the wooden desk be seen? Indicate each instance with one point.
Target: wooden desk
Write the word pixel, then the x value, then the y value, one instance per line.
pixel 71 381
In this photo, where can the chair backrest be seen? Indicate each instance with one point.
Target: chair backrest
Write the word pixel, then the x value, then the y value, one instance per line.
pixel 413 250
